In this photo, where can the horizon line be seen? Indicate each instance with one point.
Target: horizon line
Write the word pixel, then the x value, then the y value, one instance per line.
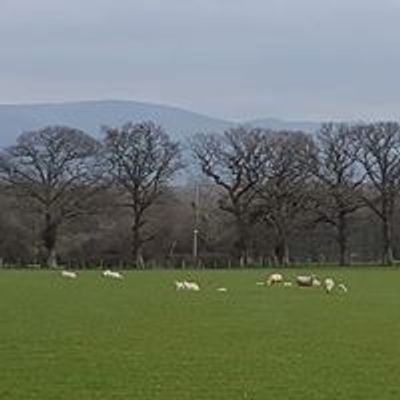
pixel 41 103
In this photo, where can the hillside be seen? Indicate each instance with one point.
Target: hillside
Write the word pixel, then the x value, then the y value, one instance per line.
pixel 90 116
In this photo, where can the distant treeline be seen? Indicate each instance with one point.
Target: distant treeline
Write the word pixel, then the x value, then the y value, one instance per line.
pixel 249 196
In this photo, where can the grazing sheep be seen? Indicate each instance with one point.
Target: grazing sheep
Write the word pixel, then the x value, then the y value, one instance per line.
pixel 179 285
pixel 69 274
pixel 274 278
pixel 343 287
pixel 316 282
pixel 222 289
pixel 329 284
pixel 305 280
pixel 191 286
pixel 186 285
pixel 111 274
pixel 287 284
pixel 195 286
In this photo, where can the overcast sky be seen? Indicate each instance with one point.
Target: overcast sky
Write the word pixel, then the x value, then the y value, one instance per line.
pixel 307 59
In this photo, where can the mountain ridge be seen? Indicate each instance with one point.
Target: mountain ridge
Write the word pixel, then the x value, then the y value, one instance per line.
pixel 91 115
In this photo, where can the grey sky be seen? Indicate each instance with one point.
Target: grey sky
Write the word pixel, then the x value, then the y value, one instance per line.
pixel 227 58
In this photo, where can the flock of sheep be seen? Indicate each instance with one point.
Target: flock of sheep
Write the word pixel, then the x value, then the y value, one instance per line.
pixel 179 285
pixel 106 274
pixel 187 285
pixel 328 284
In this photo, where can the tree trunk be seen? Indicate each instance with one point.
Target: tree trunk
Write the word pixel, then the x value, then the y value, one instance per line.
pixel 387 255
pixel 343 240
pixel 282 253
pixel 242 242
pixel 387 218
pixel 137 256
pixel 49 240
pixel 52 259
pixel 282 248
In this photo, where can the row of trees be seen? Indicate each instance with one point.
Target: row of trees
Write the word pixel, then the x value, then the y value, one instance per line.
pixel 59 172
pixel 265 190
pixel 278 176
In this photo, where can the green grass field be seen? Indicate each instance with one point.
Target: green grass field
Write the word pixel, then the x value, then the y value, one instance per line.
pixel 140 339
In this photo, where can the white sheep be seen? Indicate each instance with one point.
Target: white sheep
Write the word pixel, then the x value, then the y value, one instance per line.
pixel 191 286
pixel 112 274
pixel 287 284
pixel 274 278
pixel 343 287
pixel 179 285
pixel 329 284
pixel 316 282
pixel 305 280
pixel 69 274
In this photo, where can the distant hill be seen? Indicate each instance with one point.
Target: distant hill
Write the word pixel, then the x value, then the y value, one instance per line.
pixel 90 116
pixel 273 123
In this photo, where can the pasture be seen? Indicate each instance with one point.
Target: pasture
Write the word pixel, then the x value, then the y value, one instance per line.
pixel 139 338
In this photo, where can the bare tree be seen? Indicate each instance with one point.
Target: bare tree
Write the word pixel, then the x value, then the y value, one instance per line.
pixel 232 160
pixel 283 188
pixel 142 160
pixel 54 168
pixel 339 181
pixel 380 156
